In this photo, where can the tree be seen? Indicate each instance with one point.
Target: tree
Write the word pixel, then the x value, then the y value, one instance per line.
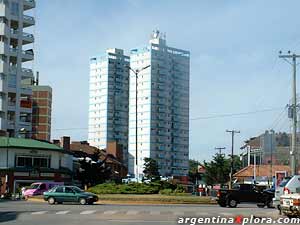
pixel 217 170
pixel 93 171
pixel 193 170
pixel 151 169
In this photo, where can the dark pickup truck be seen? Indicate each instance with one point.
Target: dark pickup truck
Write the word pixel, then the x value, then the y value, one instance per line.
pixel 245 193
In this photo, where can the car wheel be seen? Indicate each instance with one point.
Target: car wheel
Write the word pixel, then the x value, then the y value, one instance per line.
pixel 270 205
pixel 82 201
pixel 51 200
pixel 232 203
pixel 260 205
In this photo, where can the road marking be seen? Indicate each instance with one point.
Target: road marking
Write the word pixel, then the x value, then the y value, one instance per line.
pixel 132 212
pixel 154 213
pixel 87 212
pixel 110 212
pixel 62 212
pixel 178 213
pixel 39 213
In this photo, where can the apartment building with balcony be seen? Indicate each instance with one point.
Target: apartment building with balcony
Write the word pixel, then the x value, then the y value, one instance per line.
pixel 41 112
pixel 163 108
pixel 108 100
pixel 16 53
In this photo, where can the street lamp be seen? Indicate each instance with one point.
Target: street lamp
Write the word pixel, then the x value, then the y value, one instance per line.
pixel 136 72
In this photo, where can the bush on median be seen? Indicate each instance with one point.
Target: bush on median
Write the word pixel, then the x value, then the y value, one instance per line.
pixel 138 188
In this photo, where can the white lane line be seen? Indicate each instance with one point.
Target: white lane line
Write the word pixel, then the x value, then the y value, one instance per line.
pixel 154 213
pixel 111 212
pixel 87 212
pixel 62 212
pixel 178 213
pixel 39 213
pixel 132 212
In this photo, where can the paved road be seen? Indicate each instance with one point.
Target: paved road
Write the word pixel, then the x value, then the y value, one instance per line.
pixel 22 212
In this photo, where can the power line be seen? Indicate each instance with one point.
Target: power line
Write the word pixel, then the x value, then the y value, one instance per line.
pixel 236 114
pixel 196 118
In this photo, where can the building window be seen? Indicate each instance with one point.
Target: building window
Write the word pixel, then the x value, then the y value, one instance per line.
pixel 30 161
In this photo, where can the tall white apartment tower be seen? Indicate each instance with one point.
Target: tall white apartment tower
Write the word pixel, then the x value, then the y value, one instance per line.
pixel 163 108
pixel 16 55
pixel 108 100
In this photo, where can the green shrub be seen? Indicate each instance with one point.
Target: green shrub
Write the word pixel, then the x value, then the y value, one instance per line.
pixel 166 191
pixel 162 187
pixel 131 188
pixel 179 189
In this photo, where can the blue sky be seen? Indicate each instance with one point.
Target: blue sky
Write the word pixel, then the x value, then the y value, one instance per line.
pixel 234 59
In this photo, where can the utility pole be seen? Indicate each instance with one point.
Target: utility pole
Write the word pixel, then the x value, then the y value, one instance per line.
pixel 220 150
pixel 233 132
pixel 293 152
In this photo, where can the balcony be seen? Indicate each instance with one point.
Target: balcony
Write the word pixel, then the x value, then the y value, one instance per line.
pixel 25 124
pixel 11 106
pixel 26 91
pixel 27 72
pixel 29 4
pixel 10 124
pixel 26 37
pixel 27 55
pixel 28 21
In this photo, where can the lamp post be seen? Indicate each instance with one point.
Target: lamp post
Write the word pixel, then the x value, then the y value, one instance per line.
pixel 136 72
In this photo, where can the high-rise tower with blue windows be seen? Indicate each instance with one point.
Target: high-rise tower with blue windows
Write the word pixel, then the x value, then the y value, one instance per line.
pixel 163 108
pixel 108 100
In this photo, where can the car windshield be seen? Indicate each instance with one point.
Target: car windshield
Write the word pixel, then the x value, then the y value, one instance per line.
pixel 34 186
pixel 284 182
pixel 52 189
pixel 77 189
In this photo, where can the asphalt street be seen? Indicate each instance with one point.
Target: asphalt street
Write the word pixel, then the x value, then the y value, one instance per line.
pixel 30 213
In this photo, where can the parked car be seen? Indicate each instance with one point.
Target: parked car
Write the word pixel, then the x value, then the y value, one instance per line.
pixel 39 188
pixel 287 186
pixel 290 204
pixel 245 193
pixel 279 192
pixel 62 194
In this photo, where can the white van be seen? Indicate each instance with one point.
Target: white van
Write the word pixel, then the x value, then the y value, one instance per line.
pixel 287 186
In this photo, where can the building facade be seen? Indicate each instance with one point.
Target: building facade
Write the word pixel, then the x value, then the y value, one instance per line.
pixel 268 148
pixel 108 100
pixel 162 108
pixel 25 161
pixel 15 52
pixel 41 112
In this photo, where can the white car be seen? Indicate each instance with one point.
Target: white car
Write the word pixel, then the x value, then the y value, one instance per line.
pixel 289 185
pixel 290 205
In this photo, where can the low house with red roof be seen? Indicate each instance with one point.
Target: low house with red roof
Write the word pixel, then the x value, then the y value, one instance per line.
pixel 260 173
